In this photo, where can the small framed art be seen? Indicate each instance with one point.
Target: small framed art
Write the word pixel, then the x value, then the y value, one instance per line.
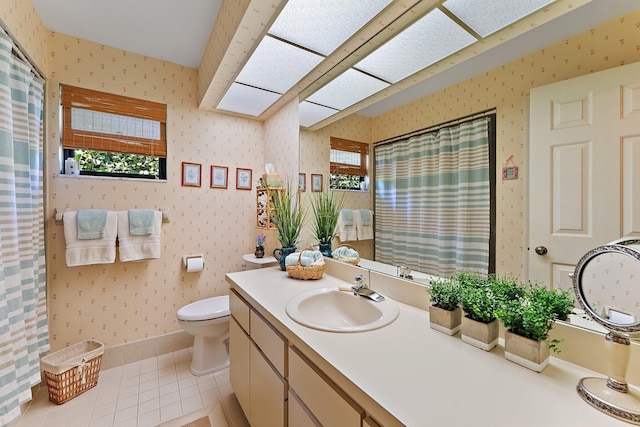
pixel 243 179
pixel 191 174
pixel 316 182
pixel 302 182
pixel 219 176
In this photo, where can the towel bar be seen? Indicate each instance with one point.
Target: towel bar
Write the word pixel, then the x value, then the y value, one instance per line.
pixel 59 215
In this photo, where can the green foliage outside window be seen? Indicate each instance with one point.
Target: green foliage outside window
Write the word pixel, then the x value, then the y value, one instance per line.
pixel 345 182
pixel 97 161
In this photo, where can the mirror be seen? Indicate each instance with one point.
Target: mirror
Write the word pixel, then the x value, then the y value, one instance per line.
pixel 606 285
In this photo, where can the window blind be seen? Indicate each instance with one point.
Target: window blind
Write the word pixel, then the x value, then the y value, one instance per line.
pixel 100 121
pixel 349 157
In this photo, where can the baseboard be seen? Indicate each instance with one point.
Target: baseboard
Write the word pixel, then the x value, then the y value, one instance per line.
pixel 142 349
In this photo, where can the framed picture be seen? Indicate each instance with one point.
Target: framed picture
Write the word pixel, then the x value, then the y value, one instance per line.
pixel 243 179
pixel 302 182
pixel 191 174
pixel 219 176
pixel 316 182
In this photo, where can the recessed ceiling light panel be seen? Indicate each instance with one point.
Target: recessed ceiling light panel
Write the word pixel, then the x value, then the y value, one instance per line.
pixel 277 66
pixel 305 22
pixel 310 114
pixel 247 100
pixel 488 16
pixel 347 89
pixel 430 39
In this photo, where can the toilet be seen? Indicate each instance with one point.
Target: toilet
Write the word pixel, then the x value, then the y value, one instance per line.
pixel 208 321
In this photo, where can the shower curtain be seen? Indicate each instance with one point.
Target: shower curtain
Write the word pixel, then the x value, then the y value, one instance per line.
pixel 23 321
pixel 432 200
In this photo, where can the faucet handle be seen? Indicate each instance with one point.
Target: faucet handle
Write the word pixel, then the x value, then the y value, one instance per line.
pixel 359 280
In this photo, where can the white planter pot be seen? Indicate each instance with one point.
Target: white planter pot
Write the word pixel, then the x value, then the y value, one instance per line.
pixel 480 334
pixel 447 322
pixel 526 352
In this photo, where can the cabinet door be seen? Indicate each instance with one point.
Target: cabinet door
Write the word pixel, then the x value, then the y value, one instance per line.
pixel 268 393
pixel 299 416
pixel 323 398
pixel 239 365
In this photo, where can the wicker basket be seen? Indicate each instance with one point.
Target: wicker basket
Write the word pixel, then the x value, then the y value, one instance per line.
pixel 72 370
pixel 313 272
pixel 350 260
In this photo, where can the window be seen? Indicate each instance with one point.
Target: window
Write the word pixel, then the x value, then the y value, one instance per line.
pixel 349 160
pixel 113 135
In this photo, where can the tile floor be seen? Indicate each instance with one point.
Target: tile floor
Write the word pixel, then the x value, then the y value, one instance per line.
pixel 144 393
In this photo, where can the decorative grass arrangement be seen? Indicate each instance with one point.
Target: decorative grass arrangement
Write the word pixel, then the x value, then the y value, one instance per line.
pixel 288 215
pixel 326 207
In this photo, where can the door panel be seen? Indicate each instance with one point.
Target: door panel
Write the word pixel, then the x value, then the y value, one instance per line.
pixel 584 159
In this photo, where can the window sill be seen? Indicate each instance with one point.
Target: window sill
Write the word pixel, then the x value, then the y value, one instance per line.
pixel 111 178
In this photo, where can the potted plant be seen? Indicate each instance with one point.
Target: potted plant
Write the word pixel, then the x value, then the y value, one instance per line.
pixel 259 253
pixel 288 217
pixel 444 312
pixel 326 207
pixel 478 298
pixel 528 320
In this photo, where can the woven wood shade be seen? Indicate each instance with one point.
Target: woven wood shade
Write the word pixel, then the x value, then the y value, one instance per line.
pixel 72 97
pixel 353 147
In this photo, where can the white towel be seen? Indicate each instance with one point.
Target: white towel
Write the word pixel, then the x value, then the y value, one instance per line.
pixel 346 232
pixel 365 232
pixel 136 248
pixel 94 251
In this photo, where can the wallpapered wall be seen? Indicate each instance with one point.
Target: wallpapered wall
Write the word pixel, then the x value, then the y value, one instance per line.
pixel 117 303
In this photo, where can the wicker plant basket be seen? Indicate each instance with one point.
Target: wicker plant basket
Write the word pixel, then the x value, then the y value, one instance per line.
pixel 313 272
pixel 350 260
pixel 72 370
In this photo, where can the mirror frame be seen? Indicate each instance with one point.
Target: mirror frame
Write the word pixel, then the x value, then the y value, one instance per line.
pixel 633 329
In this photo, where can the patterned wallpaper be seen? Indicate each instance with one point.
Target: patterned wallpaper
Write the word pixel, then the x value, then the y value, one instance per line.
pixel 117 303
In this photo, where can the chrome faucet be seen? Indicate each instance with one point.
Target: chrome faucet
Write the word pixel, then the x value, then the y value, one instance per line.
pixel 404 272
pixel 361 288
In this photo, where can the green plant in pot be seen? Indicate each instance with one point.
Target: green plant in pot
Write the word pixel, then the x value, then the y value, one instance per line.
pixel 326 207
pixel 479 298
pixel 528 320
pixel 445 313
pixel 288 217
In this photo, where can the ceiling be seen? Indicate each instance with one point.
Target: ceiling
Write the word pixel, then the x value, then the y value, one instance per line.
pixel 167 30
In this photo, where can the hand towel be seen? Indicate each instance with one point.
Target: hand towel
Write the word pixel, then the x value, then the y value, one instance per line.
pixel 364 232
pixel 94 251
pixel 346 226
pixel 136 248
pixel 365 216
pixel 91 223
pixel 141 221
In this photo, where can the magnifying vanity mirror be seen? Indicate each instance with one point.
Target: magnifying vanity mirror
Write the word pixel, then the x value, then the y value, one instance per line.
pixel 607 284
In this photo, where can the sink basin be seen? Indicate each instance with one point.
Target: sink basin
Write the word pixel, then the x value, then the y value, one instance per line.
pixel 329 309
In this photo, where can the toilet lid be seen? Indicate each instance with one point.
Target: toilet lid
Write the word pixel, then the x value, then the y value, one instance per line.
pixel 206 309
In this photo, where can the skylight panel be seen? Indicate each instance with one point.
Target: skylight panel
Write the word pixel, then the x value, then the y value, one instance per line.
pixel 430 39
pixel 347 89
pixel 488 16
pixel 305 22
pixel 310 113
pixel 247 100
pixel 277 66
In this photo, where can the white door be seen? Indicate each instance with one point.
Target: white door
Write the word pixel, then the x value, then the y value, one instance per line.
pixel 584 161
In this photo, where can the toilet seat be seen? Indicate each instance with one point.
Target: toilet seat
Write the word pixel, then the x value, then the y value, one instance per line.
pixel 206 309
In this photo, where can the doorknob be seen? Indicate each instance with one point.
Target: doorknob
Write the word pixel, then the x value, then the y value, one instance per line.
pixel 541 250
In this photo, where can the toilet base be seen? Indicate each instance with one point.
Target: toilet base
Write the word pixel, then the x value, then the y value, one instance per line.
pixel 209 355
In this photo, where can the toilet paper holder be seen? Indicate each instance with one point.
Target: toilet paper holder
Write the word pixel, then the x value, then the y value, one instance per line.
pixel 186 258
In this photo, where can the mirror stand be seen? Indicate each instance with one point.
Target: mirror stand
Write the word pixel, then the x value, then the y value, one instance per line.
pixel 612 395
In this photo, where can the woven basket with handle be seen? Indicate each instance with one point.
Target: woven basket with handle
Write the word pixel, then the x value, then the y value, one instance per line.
pixel 350 260
pixel 313 272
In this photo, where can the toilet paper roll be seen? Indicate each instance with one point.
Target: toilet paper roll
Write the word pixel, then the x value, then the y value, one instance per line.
pixel 195 264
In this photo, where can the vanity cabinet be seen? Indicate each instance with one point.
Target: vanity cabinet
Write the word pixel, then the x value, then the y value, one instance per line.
pixel 257 366
pixel 323 399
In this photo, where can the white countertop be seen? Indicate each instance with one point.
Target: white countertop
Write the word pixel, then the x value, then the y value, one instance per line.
pixel 422 376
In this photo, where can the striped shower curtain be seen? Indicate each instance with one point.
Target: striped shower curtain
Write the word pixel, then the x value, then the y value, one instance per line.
pixel 23 321
pixel 432 200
